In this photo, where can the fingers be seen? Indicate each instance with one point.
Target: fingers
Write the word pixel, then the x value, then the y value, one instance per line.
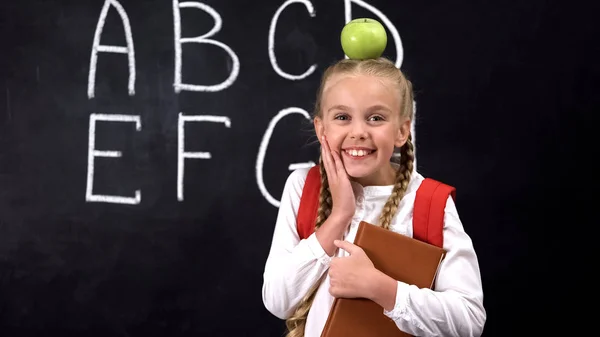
pixel 332 160
pixel 339 165
pixel 328 160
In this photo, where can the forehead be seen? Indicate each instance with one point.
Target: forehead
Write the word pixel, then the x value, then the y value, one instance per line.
pixel 360 91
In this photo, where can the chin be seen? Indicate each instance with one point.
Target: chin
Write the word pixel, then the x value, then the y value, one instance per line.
pixel 358 172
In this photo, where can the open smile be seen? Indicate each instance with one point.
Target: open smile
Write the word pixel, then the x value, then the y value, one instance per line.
pixel 358 153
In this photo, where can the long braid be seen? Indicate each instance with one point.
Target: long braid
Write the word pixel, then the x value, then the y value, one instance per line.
pixel 325 201
pixel 407 157
pixel 402 179
pixel 297 322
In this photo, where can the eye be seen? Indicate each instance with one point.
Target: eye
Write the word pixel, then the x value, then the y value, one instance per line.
pixel 341 117
pixel 376 118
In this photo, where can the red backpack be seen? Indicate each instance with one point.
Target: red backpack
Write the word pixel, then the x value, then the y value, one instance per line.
pixel 428 213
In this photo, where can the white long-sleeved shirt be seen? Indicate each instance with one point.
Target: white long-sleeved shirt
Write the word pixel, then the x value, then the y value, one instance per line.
pixel 455 308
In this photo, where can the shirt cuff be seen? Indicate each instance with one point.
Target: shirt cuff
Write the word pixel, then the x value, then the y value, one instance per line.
pixel 399 310
pixel 319 253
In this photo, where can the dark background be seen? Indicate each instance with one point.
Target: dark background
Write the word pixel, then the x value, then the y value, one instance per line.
pixel 503 94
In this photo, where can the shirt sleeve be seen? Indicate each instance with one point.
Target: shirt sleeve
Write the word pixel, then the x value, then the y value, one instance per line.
pixel 293 266
pixel 455 308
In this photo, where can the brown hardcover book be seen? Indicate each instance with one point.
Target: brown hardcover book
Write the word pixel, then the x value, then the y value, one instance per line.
pixel 400 257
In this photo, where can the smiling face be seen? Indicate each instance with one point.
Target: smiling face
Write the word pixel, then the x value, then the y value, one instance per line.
pixel 360 116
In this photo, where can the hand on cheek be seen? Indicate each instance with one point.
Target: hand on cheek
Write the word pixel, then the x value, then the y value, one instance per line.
pixel 342 195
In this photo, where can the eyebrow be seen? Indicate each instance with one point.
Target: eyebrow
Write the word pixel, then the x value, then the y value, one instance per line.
pixel 338 107
pixel 377 107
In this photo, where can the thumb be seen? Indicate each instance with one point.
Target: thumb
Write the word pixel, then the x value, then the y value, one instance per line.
pixel 347 246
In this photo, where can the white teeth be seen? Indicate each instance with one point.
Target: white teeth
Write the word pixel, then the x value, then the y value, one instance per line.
pixel 358 153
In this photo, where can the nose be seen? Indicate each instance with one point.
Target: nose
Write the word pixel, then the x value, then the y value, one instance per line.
pixel 358 130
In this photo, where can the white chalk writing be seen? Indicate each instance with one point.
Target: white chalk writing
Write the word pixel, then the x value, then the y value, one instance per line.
pixel 182 154
pixel 271 45
pixel 97 47
pixel 262 151
pixel 235 69
pixel 92 153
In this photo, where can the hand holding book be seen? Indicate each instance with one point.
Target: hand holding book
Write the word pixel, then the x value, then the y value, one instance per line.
pixel 349 275
pixel 401 257
pixel 355 276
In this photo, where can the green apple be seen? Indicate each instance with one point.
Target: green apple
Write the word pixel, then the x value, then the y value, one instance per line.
pixel 363 38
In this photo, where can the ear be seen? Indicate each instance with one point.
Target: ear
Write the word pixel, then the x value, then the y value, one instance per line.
pixel 403 133
pixel 319 127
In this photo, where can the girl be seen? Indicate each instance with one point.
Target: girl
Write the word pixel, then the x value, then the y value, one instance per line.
pixel 363 112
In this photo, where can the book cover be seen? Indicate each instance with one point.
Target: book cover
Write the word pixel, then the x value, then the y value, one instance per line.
pixel 401 257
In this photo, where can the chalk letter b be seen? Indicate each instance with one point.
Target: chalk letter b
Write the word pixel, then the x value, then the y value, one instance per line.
pixel 200 39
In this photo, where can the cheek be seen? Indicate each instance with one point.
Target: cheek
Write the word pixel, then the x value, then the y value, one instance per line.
pixel 387 141
pixel 334 139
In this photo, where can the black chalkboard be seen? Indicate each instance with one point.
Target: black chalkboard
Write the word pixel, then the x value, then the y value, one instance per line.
pixel 169 233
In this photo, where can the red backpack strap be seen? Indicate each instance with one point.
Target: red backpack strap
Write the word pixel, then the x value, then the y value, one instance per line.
pixel 428 213
pixel 309 203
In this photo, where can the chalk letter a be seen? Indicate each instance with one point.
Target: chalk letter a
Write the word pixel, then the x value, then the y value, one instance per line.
pixel 97 47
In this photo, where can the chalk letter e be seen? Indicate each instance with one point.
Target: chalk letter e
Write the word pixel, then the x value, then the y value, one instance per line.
pixel 92 152
pixel 112 49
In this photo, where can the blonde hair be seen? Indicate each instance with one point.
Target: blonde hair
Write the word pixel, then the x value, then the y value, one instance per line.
pixel 383 68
